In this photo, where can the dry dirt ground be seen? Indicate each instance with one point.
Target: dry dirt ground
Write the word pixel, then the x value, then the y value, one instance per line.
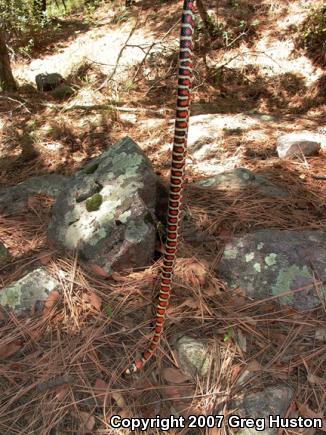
pixel 61 372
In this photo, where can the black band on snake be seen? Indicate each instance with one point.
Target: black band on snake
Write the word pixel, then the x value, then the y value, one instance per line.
pixel 179 152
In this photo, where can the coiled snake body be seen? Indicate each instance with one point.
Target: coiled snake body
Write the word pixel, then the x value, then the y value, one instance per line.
pixel 177 177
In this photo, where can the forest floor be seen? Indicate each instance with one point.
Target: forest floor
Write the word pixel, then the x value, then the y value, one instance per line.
pixel 96 330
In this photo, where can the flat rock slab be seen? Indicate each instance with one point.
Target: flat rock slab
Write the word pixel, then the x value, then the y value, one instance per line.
pixel 106 210
pixel 271 262
pixel 13 199
pixel 22 295
pixel 273 401
pixel 242 178
pixel 299 143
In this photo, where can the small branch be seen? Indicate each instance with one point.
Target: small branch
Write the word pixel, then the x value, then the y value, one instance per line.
pixel 119 56
pixel 150 48
pixel 117 108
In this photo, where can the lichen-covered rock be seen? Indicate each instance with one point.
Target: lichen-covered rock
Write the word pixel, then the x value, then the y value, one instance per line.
pixel 22 295
pixel 193 356
pixel 271 262
pixel 106 211
pixel 13 199
pixel 241 178
pixel 273 401
pixel 298 144
pixel 48 82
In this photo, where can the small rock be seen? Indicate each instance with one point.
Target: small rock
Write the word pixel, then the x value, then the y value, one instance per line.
pixel 4 254
pixel 22 295
pixel 297 144
pixel 48 82
pixel 241 178
pixel 62 91
pixel 193 356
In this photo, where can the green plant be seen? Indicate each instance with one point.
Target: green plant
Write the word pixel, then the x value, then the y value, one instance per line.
pixel 312 32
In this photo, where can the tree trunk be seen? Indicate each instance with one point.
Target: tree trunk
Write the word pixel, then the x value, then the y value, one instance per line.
pixel 207 21
pixel 7 81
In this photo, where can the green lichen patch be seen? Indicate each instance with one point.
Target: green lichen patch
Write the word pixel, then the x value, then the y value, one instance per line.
pixel 257 267
pixel 94 202
pixel 230 253
pixel 250 257
pixel 270 259
pixel 285 279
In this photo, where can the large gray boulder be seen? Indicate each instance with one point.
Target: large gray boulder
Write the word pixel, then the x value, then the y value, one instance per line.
pixel 299 143
pixel 271 262
pixel 13 199
pixel 107 210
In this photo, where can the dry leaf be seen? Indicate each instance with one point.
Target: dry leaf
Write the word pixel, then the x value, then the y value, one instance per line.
pixel 253 366
pixel 45 257
pixel 235 372
pixel 51 301
pixel 61 392
pixel 9 349
pixel 305 411
pixel 241 340
pixel 95 300
pixel 32 202
pixel 101 390
pixel 2 315
pixel 87 419
pixel 172 393
pixel 199 271
pixel 313 379
pixel 119 399
pixel 190 302
pixel 174 376
pixel 117 277
pixel 98 270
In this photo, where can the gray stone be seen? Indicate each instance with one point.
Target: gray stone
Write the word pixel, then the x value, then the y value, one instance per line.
pixel 193 356
pixel 13 199
pixel 48 82
pixel 300 143
pixel 4 254
pixel 107 209
pixel 271 262
pixel 241 178
pixel 22 295
pixel 63 91
pixel 272 401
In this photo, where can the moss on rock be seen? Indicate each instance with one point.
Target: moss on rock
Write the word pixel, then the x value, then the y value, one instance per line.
pixel 94 202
